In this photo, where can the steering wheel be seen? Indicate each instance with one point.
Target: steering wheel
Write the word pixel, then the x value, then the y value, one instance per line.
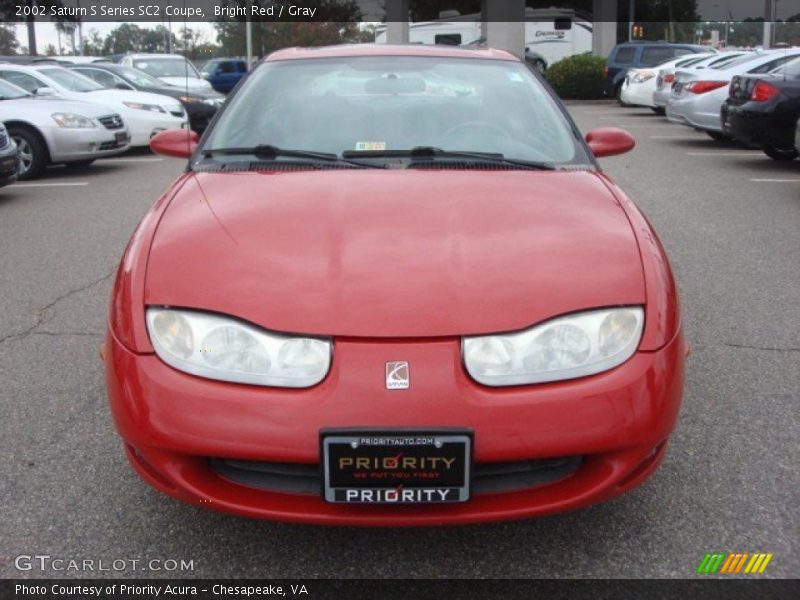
pixel 499 131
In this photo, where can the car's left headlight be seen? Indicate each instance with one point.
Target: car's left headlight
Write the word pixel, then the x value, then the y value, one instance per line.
pixel 141 106
pixel 224 348
pixel 566 347
pixel 642 76
pixel 72 121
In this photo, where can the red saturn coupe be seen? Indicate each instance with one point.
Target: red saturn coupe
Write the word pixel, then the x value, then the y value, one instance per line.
pixel 393 286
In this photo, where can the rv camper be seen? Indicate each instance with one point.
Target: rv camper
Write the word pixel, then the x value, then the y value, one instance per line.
pixel 550 33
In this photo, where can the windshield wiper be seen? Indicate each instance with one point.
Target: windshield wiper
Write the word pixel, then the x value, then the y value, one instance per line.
pixel 269 152
pixel 426 153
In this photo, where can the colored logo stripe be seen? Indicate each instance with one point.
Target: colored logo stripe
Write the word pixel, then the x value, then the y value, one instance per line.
pixel 721 562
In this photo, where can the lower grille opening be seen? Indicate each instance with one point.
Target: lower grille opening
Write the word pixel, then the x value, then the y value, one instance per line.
pixel 488 478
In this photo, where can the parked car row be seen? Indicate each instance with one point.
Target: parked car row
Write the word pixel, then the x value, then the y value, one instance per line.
pixel 749 96
pixel 74 111
pixel 221 74
pixel 53 130
pixel 200 106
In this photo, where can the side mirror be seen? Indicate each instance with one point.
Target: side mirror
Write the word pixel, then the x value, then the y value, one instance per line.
pixel 45 91
pixel 609 141
pixel 180 143
pixel 123 86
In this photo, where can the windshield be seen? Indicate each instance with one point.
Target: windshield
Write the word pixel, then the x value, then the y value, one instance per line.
pixel 70 80
pixel 138 77
pixel 166 67
pixel 208 67
pixel 9 91
pixel 395 103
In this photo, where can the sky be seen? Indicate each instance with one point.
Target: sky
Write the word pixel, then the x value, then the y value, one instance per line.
pixel 711 10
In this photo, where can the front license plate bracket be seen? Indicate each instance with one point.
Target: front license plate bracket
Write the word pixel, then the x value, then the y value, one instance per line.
pixel 396 466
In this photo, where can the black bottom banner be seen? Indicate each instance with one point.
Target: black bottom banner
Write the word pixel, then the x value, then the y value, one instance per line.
pixel 408 589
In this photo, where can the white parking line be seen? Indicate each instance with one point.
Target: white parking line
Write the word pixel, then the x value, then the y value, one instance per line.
pixel 52 184
pixel 669 137
pixel 776 180
pixel 615 117
pixel 662 127
pixel 125 159
pixel 719 153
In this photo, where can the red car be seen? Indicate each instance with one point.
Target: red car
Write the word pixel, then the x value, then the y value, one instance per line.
pixel 394 287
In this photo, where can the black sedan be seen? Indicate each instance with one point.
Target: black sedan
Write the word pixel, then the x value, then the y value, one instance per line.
pixel 763 110
pixel 200 106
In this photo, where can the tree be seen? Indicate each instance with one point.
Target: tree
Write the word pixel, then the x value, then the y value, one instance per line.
pixel 67 28
pixel 124 38
pixel 93 44
pixel 8 12
pixel 8 39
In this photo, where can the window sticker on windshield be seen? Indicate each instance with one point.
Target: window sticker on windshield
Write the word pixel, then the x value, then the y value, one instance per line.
pixel 368 146
pixel 516 77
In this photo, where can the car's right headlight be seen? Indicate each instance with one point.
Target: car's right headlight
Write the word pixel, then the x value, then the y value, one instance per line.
pixel 567 347
pixel 72 121
pixel 224 348
pixel 142 106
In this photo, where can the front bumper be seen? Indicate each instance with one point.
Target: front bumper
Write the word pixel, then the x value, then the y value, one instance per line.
pixel 68 145
pixel 9 165
pixel 145 124
pixel 173 424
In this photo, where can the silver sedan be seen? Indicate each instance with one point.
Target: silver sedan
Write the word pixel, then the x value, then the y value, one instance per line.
pixel 53 131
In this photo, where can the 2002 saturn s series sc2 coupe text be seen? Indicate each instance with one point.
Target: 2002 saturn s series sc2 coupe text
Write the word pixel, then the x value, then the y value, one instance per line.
pixel 394 287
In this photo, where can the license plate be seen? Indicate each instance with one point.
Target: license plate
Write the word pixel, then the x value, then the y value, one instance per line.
pixel 396 467
pixel 120 138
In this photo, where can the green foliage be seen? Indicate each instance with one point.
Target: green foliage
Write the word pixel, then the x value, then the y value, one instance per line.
pixel 8 39
pixel 577 76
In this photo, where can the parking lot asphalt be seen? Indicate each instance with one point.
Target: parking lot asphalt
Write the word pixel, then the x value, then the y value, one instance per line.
pixel 729 219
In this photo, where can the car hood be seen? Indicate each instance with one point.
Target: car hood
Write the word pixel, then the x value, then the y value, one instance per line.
pixel 120 96
pixel 394 253
pixel 45 106
pixel 191 82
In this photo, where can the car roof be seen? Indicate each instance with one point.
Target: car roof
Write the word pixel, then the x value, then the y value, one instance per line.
pixel 356 50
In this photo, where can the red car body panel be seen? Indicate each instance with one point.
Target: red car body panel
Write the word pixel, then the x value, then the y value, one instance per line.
pixel 394 265
pixel 618 419
pixel 366 265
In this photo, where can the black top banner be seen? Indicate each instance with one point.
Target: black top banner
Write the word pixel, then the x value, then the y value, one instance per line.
pixel 352 11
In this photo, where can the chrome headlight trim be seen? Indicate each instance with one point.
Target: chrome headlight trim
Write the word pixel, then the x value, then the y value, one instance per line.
pixel 225 348
pixel 565 347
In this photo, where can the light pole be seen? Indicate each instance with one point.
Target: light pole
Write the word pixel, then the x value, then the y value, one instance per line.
pixel 248 28
pixel 631 19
